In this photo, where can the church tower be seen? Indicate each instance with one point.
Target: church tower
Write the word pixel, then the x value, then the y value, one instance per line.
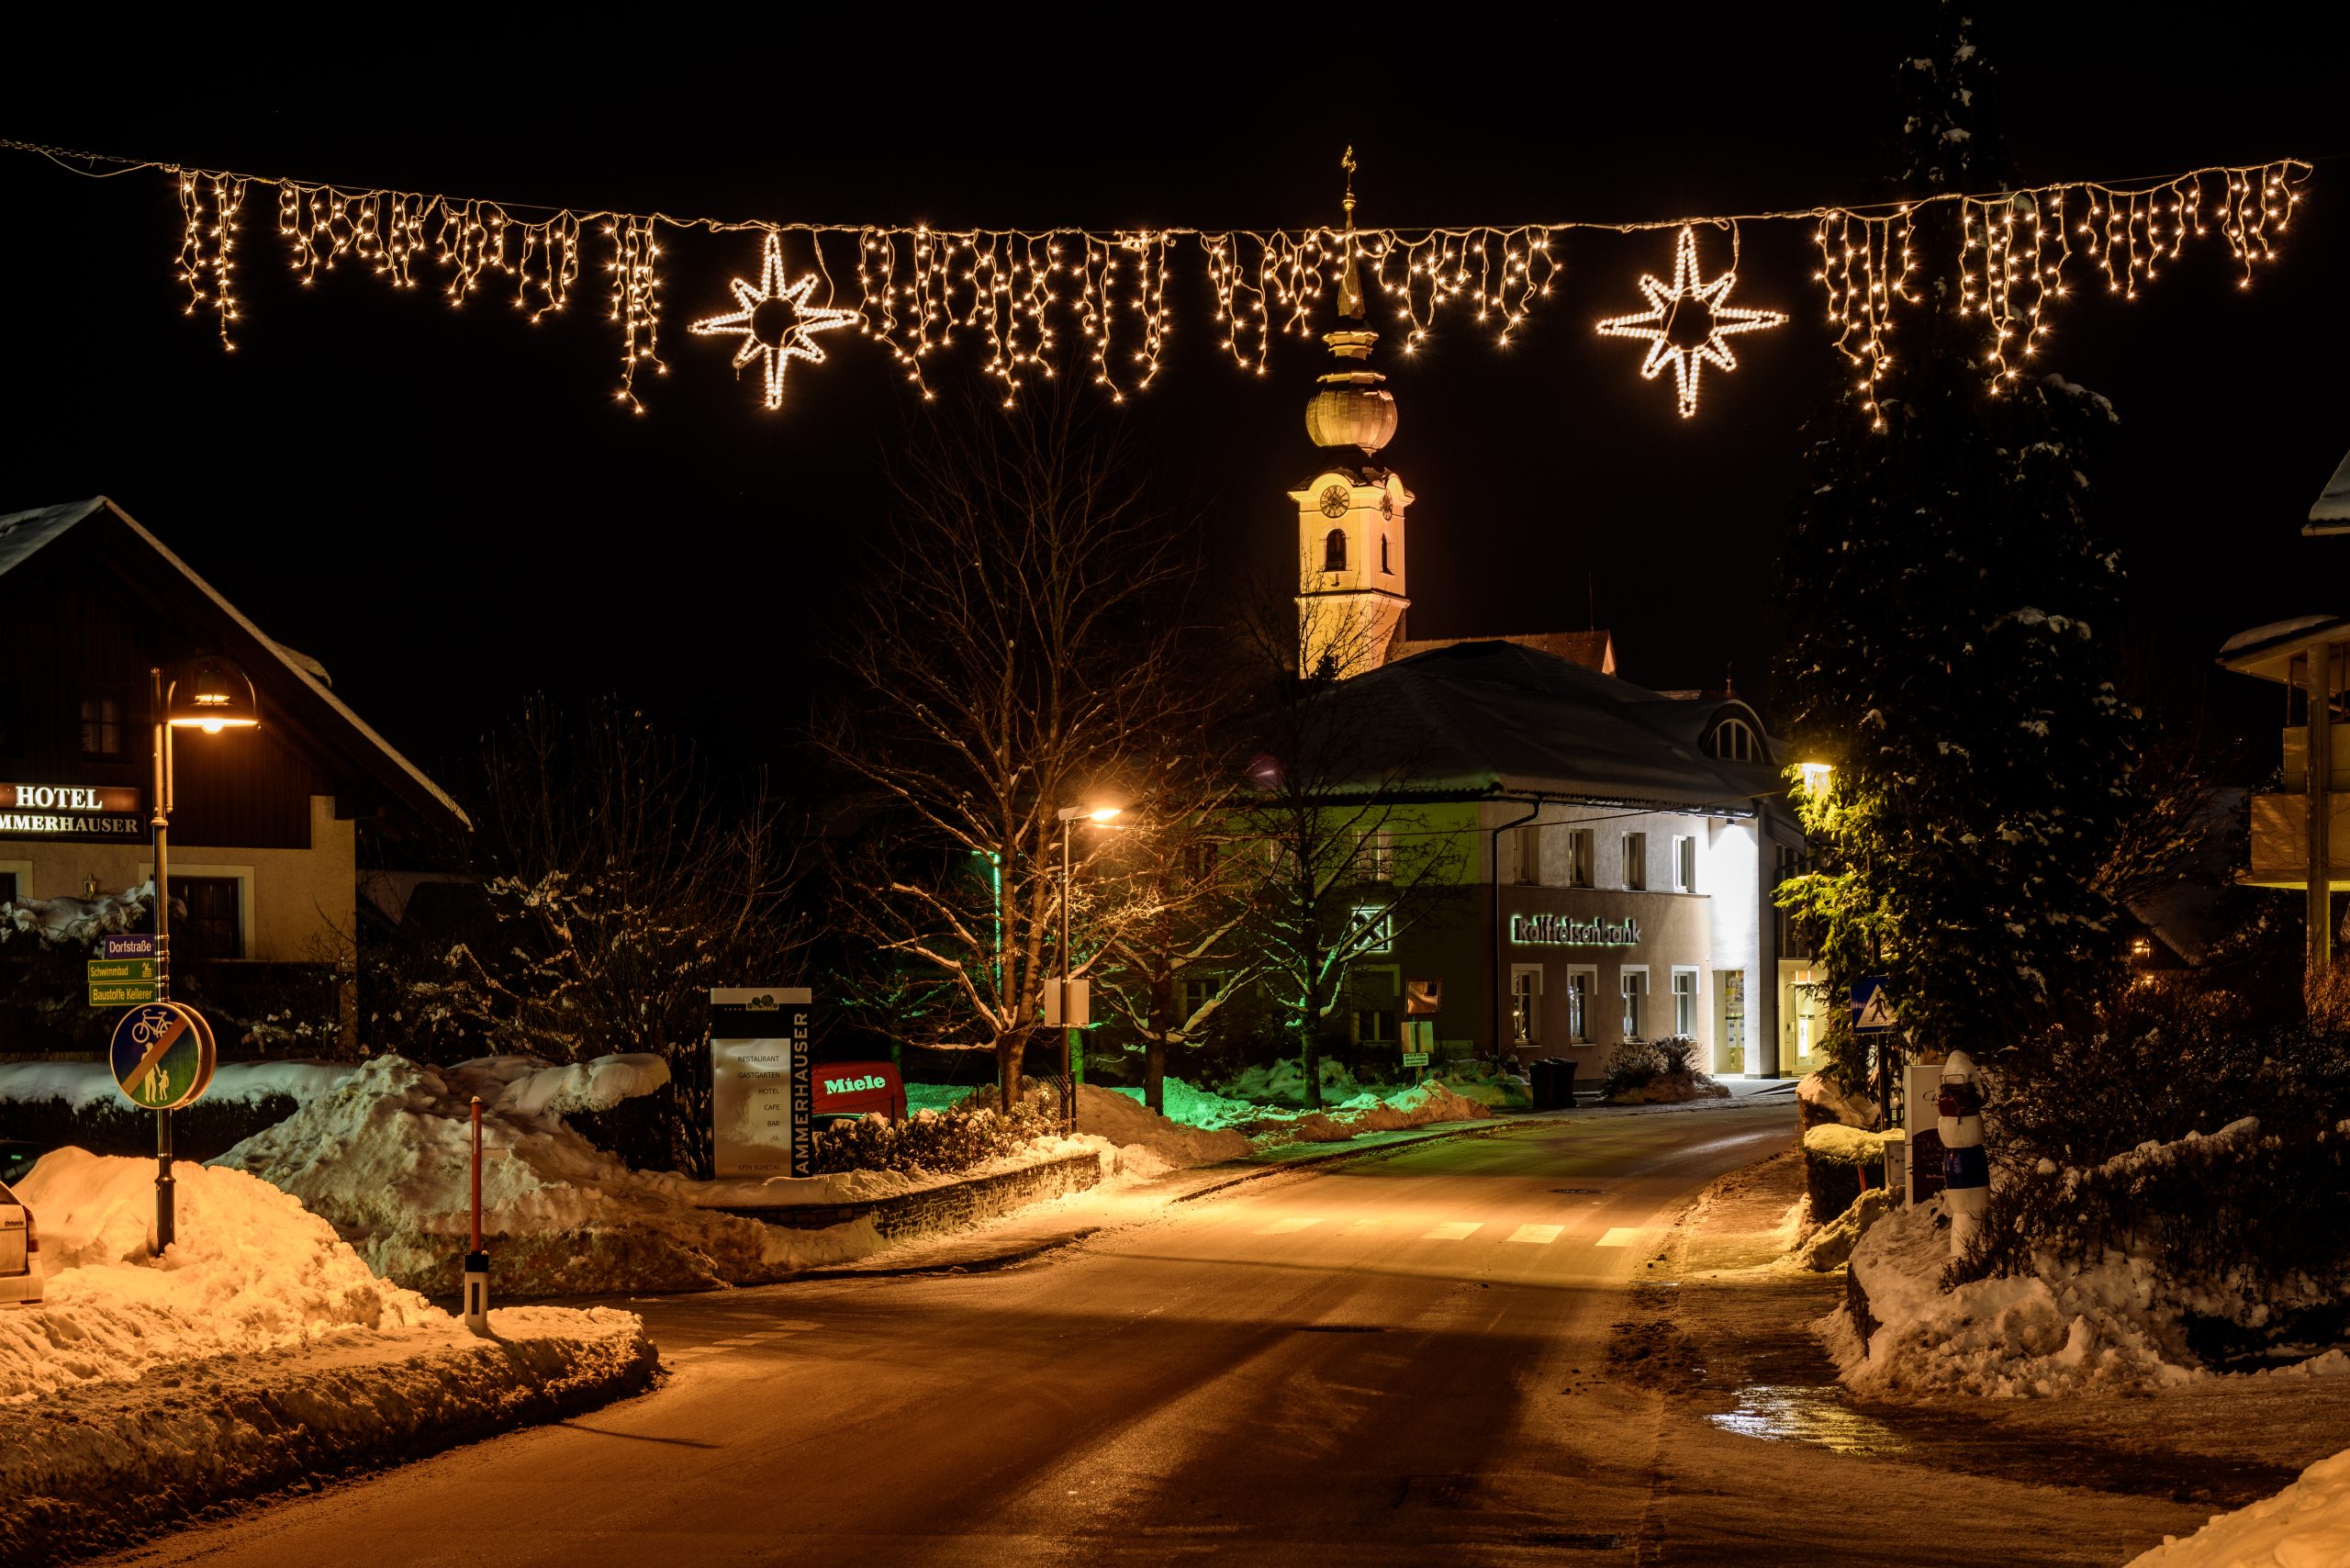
pixel 1351 597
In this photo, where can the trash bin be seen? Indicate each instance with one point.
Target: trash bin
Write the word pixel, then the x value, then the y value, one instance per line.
pixel 1564 1084
pixel 1538 1079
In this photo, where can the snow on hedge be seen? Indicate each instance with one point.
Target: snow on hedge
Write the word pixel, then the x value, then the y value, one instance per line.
pixel 385 1158
pixel 251 1270
pixel 2305 1526
pixel 82 1083
pixel 1125 1121
pixel 1417 1106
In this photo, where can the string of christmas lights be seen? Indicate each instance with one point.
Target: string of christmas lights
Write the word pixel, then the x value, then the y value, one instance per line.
pixel 1022 294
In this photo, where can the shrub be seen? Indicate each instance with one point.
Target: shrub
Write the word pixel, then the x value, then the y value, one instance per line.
pixel 932 1142
pixel 1639 1063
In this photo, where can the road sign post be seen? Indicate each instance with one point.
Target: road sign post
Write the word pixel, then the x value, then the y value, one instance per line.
pixel 1872 1020
pixel 163 1055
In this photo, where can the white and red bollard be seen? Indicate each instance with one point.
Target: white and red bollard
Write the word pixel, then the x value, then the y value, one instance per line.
pixel 477 1260
pixel 1966 1168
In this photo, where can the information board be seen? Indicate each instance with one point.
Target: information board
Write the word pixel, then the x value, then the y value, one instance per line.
pixel 759 1090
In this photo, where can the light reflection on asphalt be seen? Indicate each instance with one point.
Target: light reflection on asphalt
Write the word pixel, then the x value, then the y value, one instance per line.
pixel 1801 1413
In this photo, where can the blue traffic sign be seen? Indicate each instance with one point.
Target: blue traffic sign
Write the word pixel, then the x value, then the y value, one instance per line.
pixel 163 1055
pixel 1872 1007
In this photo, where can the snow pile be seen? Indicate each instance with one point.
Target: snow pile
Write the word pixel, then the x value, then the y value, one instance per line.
pixel 250 1270
pixel 534 1089
pixel 384 1159
pixel 2063 1329
pixel 1494 1091
pixel 1825 1100
pixel 2305 1526
pixel 1125 1122
pixel 1819 1249
pixel 1415 1107
pixel 84 1083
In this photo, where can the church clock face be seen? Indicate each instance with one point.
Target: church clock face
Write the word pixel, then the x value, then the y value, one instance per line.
pixel 1334 501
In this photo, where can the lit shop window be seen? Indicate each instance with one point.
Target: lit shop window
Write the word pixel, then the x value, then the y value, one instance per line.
pixel 1525 1002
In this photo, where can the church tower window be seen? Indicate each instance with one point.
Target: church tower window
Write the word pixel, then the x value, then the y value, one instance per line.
pixel 1334 551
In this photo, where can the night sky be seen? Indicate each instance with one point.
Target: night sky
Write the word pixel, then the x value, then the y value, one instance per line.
pixel 450 510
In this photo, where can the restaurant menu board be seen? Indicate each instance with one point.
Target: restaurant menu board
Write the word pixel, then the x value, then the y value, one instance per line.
pixel 758 1081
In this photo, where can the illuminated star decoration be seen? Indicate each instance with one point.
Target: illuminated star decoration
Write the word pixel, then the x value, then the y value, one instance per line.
pixel 790 342
pixel 1665 305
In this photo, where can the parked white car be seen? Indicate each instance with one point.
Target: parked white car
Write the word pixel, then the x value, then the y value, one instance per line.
pixel 19 1253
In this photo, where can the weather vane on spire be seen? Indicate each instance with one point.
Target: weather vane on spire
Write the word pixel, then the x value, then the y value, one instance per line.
pixel 1349 284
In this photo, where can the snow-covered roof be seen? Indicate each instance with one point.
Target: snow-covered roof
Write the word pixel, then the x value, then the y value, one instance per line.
pixel 2331 511
pixel 2268 651
pixel 24 533
pixel 1501 721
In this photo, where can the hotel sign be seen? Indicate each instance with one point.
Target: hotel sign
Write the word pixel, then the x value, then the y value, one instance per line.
pixel 1568 931
pixel 71 811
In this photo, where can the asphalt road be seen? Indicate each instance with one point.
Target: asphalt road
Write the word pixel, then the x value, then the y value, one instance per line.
pixel 1395 1360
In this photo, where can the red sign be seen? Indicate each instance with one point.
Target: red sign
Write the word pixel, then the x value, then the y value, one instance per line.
pixel 856 1088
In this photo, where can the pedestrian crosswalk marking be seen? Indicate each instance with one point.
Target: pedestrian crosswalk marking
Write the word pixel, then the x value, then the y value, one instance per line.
pixel 1284 1227
pixel 1536 1235
pixel 1458 1230
pixel 1621 1236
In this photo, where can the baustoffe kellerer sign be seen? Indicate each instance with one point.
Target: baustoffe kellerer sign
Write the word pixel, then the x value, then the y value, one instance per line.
pixel 761 1121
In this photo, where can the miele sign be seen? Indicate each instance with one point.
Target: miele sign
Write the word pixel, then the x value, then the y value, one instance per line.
pixel 71 811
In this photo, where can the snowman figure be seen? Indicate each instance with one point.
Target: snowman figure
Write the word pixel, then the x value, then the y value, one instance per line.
pixel 1966 1169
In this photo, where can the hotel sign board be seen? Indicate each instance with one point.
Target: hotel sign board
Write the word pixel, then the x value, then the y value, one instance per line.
pixel 1572 931
pixel 71 811
pixel 760 1116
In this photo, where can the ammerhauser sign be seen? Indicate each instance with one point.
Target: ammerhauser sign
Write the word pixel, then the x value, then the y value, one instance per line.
pixel 1568 931
pixel 71 811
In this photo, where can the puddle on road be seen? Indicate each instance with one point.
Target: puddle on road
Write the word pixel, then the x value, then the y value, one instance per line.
pixel 1794 1413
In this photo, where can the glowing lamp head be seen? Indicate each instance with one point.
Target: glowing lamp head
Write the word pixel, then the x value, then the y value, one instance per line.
pixel 212 695
pixel 1104 814
pixel 1815 776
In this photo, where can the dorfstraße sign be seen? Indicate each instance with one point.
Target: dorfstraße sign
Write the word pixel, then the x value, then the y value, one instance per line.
pixel 71 811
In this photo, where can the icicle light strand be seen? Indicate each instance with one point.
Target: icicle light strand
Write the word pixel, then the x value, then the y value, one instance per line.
pixel 1025 294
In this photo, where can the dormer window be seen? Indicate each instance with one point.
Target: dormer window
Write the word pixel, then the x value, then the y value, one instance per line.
pixel 1734 740
pixel 1334 551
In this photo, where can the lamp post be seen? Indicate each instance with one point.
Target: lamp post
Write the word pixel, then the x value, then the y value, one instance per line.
pixel 210 694
pixel 1071 1060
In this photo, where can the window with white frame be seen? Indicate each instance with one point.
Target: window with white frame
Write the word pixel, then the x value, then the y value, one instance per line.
pixel 1529 855
pixel 1635 1003
pixel 1374 928
pixel 1375 856
pixel 1636 860
pixel 1685 1003
pixel 1684 865
pixel 1734 740
pixel 1582 985
pixel 1525 1002
pixel 1579 857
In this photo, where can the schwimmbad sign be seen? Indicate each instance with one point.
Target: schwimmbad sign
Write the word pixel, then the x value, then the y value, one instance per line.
pixel 1568 931
pixel 761 1121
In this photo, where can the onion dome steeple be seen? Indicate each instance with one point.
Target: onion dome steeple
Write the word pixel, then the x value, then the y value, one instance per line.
pixel 1353 406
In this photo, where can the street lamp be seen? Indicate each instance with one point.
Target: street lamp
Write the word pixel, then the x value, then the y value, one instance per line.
pixel 210 694
pixel 1073 1009
pixel 1815 776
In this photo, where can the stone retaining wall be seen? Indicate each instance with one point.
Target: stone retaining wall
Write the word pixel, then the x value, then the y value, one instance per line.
pixel 956 1206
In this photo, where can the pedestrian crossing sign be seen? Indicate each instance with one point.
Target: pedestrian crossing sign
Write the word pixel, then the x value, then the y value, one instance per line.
pixel 1872 1008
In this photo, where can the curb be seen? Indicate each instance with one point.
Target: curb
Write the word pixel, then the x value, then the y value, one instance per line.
pixel 981 1265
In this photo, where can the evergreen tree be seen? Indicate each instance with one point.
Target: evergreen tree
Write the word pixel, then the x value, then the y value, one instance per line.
pixel 1952 640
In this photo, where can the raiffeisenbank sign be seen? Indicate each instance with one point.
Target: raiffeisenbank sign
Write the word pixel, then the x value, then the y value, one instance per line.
pixel 1569 930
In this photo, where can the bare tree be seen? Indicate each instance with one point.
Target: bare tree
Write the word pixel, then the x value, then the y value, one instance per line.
pixel 1016 655
pixel 623 887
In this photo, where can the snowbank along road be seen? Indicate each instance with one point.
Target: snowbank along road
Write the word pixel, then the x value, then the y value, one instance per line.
pixel 1400 1359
